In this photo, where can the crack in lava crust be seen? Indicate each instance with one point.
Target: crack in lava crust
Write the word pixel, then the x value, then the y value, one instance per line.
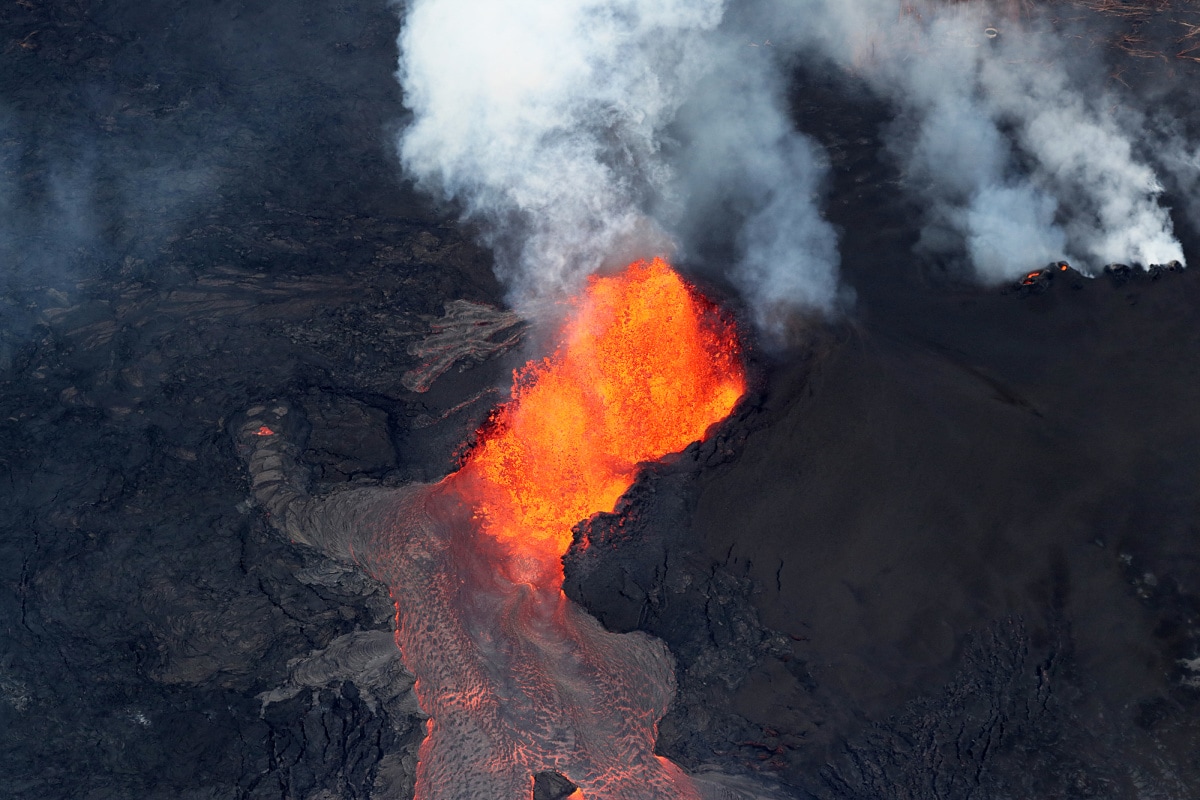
pixel 515 678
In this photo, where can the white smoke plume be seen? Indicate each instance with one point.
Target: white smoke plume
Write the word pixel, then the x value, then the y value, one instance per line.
pixel 580 133
pixel 1018 161
pixel 1180 159
pixel 736 160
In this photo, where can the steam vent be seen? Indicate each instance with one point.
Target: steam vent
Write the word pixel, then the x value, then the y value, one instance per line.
pixel 455 400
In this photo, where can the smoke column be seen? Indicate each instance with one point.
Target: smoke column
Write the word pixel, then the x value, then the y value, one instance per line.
pixel 1018 160
pixel 1181 159
pixel 583 133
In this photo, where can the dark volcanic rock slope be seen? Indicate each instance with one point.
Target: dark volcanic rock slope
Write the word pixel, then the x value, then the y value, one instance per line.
pixel 980 536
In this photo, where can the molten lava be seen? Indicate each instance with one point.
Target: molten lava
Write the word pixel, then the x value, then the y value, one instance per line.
pixel 516 679
pixel 644 367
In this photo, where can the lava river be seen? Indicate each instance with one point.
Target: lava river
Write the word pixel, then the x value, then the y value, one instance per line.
pixel 515 678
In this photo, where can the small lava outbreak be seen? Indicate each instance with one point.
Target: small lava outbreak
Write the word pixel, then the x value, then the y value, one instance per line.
pixel 645 366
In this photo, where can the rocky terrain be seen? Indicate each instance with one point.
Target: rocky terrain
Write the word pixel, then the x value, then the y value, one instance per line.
pixel 946 549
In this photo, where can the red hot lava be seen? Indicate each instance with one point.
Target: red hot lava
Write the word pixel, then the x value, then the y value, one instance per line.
pixel 516 680
pixel 645 366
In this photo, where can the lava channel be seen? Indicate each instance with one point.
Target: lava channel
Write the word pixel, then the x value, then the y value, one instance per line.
pixel 516 679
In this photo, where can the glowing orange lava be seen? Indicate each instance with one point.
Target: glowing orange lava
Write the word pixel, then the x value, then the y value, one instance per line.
pixel 644 367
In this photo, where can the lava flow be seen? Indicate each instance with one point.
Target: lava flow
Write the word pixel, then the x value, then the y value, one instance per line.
pixel 517 680
pixel 646 365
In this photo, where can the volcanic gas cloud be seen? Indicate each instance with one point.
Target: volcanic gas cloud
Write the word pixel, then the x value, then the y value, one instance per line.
pixel 515 678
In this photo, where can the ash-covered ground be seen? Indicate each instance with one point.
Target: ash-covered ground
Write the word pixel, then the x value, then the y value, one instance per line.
pixel 947 548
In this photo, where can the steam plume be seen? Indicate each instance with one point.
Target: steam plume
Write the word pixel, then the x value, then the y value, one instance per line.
pixel 586 132
pixel 1019 161
pixel 1180 158
pixel 582 132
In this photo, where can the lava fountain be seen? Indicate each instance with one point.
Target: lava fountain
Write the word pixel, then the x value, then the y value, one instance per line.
pixel 515 678
pixel 645 367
